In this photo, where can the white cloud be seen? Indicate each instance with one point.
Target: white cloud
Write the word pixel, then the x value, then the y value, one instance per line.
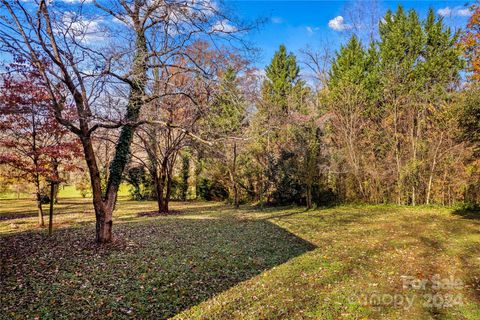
pixel 338 24
pixel 465 12
pixel 277 20
pixel 81 28
pixel 223 26
pixel 454 12
pixel 444 11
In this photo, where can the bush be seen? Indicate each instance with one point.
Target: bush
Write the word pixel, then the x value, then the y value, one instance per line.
pixel 211 190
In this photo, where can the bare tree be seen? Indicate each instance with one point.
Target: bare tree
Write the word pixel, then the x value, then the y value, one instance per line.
pixel 86 57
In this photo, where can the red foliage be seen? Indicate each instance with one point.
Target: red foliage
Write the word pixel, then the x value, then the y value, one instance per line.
pixel 31 140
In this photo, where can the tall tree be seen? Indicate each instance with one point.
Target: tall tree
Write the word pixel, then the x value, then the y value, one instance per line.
pixel 76 68
pixel 282 77
pixel 226 123
pixel 389 104
pixel 281 92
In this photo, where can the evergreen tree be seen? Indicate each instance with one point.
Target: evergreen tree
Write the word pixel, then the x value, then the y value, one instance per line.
pixel 229 109
pixel 350 65
pixel 282 78
pixel 400 48
pixel 226 123
pixel 441 56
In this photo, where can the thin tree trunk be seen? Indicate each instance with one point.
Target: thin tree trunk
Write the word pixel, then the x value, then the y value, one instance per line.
pixel 397 157
pixel 168 193
pixel 234 178
pixel 50 214
pixel 41 222
pixel 55 193
pixel 432 170
pixel 56 184
pixel 414 135
pixel 163 191
pixel 309 196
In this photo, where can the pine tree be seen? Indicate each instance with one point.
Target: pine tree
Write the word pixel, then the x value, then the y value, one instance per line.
pixel 282 78
pixel 227 121
pixel 441 56
pixel 228 111
pixel 349 66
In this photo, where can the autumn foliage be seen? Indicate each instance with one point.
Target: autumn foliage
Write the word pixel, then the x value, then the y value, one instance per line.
pixel 471 42
pixel 32 143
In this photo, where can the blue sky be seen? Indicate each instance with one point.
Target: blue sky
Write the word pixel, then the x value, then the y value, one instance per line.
pixel 299 24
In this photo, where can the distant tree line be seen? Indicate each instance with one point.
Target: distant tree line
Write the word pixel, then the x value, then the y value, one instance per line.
pixel 396 121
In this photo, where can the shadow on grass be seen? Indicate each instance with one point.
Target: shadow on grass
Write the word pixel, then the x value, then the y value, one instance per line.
pixel 155 269
pixel 181 209
pixel 28 209
pixel 473 213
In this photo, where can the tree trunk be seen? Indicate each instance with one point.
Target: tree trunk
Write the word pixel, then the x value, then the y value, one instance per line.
pixel 397 157
pixel 309 197
pixel 103 212
pixel 56 184
pixel 168 193
pixel 55 193
pixel 50 214
pixel 163 188
pixel 236 202
pixel 234 176
pixel 41 222
pixel 105 203
pixel 103 215
pixel 103 225
pixel 432 170
pixel 158 190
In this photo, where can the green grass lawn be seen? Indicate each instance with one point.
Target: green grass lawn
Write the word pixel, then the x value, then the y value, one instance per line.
pixel 209 261
pixel 66 191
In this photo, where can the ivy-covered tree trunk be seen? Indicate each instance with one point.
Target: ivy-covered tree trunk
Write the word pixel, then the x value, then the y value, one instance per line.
pixel 158 189
pixel 185 177
pixel 168 194
pixel 105 203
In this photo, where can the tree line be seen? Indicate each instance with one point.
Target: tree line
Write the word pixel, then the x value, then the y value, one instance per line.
pixel 170 103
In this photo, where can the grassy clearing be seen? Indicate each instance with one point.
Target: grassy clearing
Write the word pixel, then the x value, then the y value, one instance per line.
pixel 212 262
pixel 66 191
